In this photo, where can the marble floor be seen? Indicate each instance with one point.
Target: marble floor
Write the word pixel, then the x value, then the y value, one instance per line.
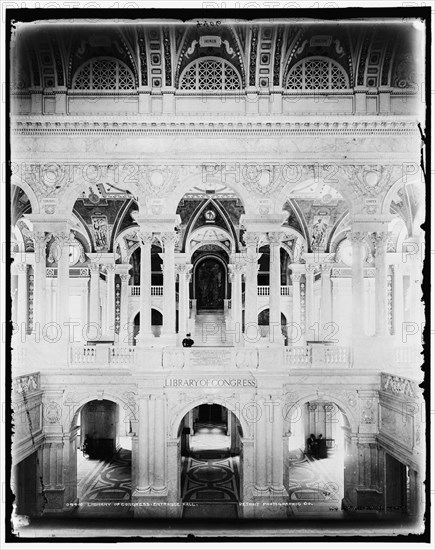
pixel 210 476
pixel 315 487
pixel 104 486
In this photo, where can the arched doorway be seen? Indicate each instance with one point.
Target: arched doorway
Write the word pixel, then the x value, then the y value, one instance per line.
pixel 210 283
pixel 100 459
pixel 316 464
pixel 156 324
pixel 211 456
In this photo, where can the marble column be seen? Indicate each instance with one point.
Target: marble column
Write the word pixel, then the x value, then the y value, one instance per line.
pixel 357 239
pixel 398 300
pixel 94 295
pixel 63 243
pixel 22 299
pixel 251 285
pixel 380 240
pixel 143 462
pixel 124 332
pixel 295 335
pixel 310 330
pixel 183 271
pixel 275 334
pixel 260 448
pixel 325 300
pixel 236 272
pixel 110 301
pixel 169 240
pixel 146 239
pixel 40 277
pixel 277 447
pixel 159 428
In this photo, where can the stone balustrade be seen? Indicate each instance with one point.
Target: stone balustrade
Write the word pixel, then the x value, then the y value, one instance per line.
pixel 156 290
pixel 101 355
pixel 311 355
pixel 408 355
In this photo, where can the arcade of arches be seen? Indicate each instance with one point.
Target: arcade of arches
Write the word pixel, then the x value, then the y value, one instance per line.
pixel 257 186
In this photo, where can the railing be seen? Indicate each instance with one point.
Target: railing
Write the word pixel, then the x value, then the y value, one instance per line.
pixel 300 355
pixel 408 354
pixel 102 355
pixel 83 354
pixel 19 355
pixel 264 290
pixel 122 355
pixel 323 355
pixel 74 272
pixel 155 290
pixel 337 355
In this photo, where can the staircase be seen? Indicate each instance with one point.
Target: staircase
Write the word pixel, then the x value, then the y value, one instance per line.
pixel 210 329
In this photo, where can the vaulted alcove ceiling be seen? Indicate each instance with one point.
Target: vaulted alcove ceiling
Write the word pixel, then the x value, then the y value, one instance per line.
pixel 263 54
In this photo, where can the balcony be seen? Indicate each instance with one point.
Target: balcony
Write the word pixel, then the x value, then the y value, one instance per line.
pixel 264 290
pixel 134 290
pixel 208 358
pixel 318 356
pixel 101 356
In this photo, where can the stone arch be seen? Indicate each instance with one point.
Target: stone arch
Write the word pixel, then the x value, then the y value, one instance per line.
pixel 210 174
pixel 346 409
pixel 95 397
pixel 217 243
pixel 386 203
pixel 180 412
pixel 34 202
pixel 335 180
pixel 136 311
pixel 119 240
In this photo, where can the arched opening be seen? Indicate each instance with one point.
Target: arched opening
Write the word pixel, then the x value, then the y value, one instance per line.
pixel 100 458
pixel 211 456
pixel 263 324
pixel 156 324
pixel 318 440
pixel 210 282
pixel 156 270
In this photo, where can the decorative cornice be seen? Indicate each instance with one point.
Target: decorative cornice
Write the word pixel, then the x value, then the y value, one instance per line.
pixel 239 126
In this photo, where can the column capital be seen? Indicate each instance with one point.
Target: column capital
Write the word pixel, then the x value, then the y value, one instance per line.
pixel 183 268
pixel 237 268
pixel 296 277
pixel 169 238
pixel 63 237
pixel 274 237
pixel 357 237
pixel 310 268
pixel 94 268
pixel 110 268
pixel 380 238
pixel 325 268
pixel 145 237
pixel 20 267
pixel 251 238
pixel 41 238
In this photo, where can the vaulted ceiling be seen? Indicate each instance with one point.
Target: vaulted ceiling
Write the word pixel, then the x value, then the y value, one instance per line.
pixel 372 54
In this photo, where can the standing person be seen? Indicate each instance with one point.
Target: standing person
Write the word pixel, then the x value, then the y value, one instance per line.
pixel 321 444
pixel 312 445
pixel 187 342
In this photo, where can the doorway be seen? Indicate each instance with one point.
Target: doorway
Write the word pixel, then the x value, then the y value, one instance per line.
pixel 102 449
pixel 211 462
pixel 210 284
